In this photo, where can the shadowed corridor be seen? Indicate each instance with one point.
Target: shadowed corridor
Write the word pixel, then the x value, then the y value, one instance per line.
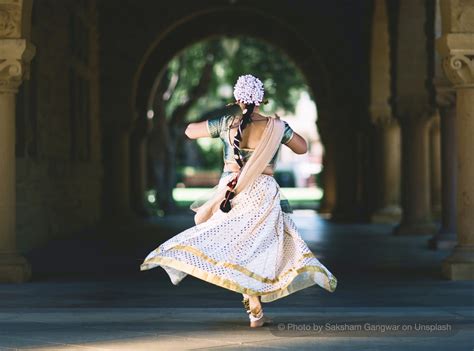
pixel 109 304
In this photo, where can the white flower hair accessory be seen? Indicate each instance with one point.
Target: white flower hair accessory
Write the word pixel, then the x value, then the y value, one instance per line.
pixel 249 90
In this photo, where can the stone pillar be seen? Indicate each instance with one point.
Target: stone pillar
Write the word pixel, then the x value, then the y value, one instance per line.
pixel 459 68
pixel 416 204
pixel 345 162
pixel 15 56
pixel 456 46
pixel 388 172
pixel 328 138
pixel 329 180
pixel 460 264
pixel 387 153
pixel 435 166
pixel 339 138
pixel 414 109
pixel 446 236
pixel 138 161
pixel 117 173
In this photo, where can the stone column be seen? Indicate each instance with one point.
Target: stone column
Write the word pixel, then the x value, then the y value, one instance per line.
pixel 446 236
pixel 116 146
pixel 329 180
pixel 458 63
pixel 416 204
pixel 414 109
pixel 338 136
pixel 456 46
pixel 387 153
pixel 15 55
pixel 435 166
pixel 328 138
pixel 138 161
pixel 345 163
pixel 388 172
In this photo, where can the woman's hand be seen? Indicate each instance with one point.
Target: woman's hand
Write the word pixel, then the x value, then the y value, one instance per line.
pixel 197 130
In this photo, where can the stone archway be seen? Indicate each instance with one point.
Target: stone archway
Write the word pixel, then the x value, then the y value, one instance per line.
pixel 190 30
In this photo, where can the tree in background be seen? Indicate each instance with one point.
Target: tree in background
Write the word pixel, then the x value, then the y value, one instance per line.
pixel 197 85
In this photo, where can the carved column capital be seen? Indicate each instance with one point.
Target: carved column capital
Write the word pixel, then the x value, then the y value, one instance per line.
pixel 457 50
pixel 459 68
pixel 15 58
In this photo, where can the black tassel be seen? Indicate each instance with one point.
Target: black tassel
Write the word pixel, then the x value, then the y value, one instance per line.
pixel 225 204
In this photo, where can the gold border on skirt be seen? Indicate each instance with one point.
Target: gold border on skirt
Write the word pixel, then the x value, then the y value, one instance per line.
pixel 331 281
pixel 267 296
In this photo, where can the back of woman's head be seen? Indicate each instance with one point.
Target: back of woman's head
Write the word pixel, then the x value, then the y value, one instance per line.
pixel 249 91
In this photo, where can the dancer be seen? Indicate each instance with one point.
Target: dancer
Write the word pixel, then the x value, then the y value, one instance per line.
pixel 244 239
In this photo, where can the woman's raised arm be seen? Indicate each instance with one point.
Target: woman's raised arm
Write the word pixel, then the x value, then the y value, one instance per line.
pixel 212 126
pixel 297 144
pixel 197 130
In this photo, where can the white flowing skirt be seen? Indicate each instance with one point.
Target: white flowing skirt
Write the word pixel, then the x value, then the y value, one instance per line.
pixel 254 249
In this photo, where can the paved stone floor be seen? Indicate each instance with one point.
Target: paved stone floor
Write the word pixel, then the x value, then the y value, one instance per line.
pixel 87 294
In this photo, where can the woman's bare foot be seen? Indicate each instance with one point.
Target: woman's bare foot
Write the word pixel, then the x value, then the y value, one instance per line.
pixel 261 322
pixel 257 319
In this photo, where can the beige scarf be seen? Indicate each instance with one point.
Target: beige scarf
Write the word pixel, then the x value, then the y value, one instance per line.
pixel 261 156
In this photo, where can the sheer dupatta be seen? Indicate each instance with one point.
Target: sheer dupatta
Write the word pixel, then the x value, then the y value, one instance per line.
pixel 261 156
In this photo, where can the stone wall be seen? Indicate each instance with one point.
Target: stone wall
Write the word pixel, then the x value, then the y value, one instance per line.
pixel 59 167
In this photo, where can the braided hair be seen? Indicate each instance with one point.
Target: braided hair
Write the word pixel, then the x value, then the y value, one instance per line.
pixel 225 206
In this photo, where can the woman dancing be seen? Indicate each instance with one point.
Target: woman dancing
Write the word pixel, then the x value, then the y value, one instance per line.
pixel 244 239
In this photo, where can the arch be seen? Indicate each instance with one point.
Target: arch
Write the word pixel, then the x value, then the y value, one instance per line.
pixel 190 30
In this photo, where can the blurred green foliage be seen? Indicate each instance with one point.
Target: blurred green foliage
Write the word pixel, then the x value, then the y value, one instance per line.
pixel 230 58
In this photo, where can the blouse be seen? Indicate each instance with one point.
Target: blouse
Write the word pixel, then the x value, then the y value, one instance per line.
pixel 219 127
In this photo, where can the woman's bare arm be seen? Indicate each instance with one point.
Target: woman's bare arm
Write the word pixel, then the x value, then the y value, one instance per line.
pixel 297 144
pixel 197 130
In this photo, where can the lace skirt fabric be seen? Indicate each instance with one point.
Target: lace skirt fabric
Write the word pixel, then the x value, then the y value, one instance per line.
pixel 254 249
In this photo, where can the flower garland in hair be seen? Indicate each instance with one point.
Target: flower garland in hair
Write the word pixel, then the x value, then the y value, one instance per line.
pixel 249 90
